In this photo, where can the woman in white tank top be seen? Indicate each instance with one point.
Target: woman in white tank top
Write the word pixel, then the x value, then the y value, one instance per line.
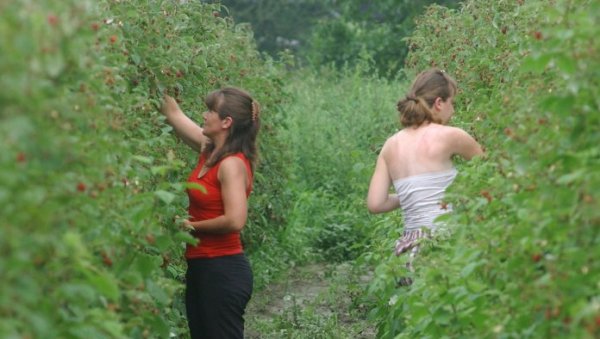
pixel 417 160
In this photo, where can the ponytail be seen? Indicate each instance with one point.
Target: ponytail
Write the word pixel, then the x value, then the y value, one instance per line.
pixel 414 111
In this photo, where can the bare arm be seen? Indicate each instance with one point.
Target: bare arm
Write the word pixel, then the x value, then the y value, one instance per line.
pixel 185 128
pixel 234 181
pixel 379 200
pixel 463 144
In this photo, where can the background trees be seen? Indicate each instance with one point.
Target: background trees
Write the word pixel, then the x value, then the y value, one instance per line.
pixel 336 32
pixel 372 30
pixel 277 25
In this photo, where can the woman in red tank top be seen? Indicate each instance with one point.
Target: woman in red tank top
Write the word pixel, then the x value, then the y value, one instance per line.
pixel 218 277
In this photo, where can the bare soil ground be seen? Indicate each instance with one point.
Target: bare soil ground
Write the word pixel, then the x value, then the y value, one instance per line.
pixel 314 301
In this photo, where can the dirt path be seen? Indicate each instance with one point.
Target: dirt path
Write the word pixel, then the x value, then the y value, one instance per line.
pixel 314 301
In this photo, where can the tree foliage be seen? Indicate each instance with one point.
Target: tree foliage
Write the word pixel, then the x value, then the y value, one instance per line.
pixel 277 25
pixel 372 30
pixel 337 32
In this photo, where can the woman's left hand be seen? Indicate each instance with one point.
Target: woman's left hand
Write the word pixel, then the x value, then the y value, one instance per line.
pixel 188 225
pixel 185 223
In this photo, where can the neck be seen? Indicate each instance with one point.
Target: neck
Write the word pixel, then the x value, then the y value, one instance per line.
pixel 219 141
pixel 423 124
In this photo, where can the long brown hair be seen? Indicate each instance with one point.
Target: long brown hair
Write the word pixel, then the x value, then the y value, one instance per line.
pixel 245 114
pixel 415 108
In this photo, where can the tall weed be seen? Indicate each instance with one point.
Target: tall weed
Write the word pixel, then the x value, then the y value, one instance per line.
pixel 337 123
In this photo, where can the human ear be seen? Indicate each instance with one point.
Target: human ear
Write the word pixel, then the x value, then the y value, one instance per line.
pixel 437 104
pixel 227 122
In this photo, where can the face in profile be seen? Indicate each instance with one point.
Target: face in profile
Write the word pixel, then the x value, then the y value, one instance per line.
pixel 445 109
pixel 212 123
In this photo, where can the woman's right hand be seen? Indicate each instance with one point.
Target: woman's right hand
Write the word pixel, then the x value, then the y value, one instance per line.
pixel 169 105
pixel 185 128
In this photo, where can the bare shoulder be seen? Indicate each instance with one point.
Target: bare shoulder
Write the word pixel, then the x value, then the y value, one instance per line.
pixel 387 143
pixel 232 166
pixel 453 132
pixel 391 142
pixel 461 142
pixel 394 137
pixel 232 162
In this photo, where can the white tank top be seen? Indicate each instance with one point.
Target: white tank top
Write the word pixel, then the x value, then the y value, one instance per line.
pixel 421 197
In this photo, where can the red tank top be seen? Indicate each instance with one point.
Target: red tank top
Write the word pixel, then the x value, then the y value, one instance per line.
pixel 209 205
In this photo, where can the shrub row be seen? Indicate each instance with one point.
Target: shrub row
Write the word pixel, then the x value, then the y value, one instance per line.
pixel 521 256
pixel 91 177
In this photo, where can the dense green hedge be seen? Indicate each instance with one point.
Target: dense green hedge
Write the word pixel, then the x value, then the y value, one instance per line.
pixel 91 176
pixel 521 257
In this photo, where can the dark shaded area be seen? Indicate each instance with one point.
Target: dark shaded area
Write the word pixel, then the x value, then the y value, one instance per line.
pixel 278 25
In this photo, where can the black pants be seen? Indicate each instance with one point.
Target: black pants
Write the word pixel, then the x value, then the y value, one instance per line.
pixel 217 291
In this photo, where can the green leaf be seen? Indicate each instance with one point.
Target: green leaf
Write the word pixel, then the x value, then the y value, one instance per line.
pixel 163 242
pixel 186 237
pixel 565 63
pixel 442 317
pixel 157 292
pixel 535 64
pixel 161 170
pixel 571 177
pixel 195 186
pixel 75 244
pixel 136 59
pixel 143 159
pixel 158 324
pixel 468 269
pixel 562 105
pixel 145 264
pixel 166 197
pixel 104 283
pixel 55 64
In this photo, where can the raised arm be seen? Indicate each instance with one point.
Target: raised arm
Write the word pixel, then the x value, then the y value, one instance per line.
pixel 379 200
pixel 185 128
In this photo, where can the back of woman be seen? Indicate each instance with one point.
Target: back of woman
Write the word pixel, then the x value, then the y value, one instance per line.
pixel 417 151
pixel 417 161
